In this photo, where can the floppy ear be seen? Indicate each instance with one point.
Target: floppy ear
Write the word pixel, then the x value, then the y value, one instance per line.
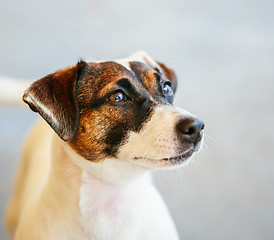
pixel 170 75
pixel 54 98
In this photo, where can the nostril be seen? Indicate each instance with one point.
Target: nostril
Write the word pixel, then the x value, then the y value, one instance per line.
pixel 184 126
pixel 190 131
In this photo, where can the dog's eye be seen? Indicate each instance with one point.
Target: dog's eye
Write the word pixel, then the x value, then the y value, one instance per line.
pixel 167 88
pixel 117 97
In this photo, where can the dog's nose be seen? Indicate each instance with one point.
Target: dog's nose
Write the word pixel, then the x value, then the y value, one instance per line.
pixel 191 129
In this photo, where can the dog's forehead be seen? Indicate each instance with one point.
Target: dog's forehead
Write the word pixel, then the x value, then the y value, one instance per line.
pixel 139 73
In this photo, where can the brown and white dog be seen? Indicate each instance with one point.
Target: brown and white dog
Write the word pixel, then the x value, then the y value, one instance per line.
pixel 114 123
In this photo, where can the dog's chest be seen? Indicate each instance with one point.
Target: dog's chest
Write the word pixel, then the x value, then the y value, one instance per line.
pixel 109 211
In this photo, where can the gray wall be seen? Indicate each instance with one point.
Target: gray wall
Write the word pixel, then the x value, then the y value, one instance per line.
pixel 223 54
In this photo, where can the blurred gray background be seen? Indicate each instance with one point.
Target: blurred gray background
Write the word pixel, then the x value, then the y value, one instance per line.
pixel 223 54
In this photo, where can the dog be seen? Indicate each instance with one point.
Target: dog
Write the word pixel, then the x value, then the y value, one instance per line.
pixel 85 169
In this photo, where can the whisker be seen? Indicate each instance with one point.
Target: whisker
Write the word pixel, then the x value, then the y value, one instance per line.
pixel 210 138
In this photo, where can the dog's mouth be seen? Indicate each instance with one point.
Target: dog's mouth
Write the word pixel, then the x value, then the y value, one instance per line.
pixel 169 161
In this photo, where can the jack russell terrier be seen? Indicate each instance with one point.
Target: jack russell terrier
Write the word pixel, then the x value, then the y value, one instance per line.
pixel 89 179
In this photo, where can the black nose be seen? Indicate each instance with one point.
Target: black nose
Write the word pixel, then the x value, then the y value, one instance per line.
pixel 191 129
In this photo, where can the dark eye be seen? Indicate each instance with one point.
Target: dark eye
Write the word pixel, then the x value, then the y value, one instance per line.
pixel 117 97
pixel 167 88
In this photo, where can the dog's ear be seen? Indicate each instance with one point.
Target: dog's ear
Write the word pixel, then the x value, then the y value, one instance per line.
pixel 170 75
pixel 54 98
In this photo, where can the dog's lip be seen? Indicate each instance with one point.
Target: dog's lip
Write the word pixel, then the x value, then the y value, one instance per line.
pixel 179 158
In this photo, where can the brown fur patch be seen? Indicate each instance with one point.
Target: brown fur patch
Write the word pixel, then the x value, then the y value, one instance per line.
pixel 146 75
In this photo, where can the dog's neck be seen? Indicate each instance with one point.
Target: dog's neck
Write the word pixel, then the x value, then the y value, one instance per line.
pixel 109 171
pixel 71 183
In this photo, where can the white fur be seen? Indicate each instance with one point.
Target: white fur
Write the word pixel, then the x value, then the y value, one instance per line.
pixel 139 56
pixel 132 211
pixel 112 211
pixel 157 140
pixel 119 201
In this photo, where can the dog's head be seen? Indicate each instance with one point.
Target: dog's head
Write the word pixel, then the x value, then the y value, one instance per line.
pixel 118 110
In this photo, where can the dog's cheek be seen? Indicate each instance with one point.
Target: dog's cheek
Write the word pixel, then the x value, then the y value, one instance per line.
pixel 123 120
pixel 138 141
pixel 89 141
pixel 100 133
pixel 103 131
pixel 114 138
pixel 158 137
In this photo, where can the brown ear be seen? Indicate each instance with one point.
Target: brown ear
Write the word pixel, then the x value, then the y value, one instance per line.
pixel 54 98
pixel 170 75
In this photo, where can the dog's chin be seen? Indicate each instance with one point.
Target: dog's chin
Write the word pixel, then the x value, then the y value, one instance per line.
pixel 165 162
